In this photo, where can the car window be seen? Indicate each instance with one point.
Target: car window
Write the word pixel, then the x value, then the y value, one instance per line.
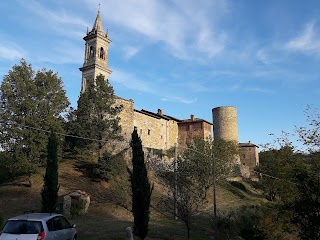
pixel 50 225
pixel 65 223
pixel 57 224
pixel 23 227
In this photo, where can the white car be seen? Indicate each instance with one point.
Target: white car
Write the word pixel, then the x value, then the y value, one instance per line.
pixel 38 226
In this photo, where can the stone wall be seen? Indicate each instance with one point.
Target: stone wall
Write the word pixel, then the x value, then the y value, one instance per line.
pixel 249 156
pixel 225 123
pixel 172 133
pixel 191 129
pixel 155 132
pixel 126 117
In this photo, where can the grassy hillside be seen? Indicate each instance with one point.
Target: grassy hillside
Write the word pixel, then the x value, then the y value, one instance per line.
pixel 109 213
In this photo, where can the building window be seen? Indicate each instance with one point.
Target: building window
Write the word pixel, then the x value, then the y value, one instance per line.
pixel 91 52
pixel 149 131
pixel 140 132
pixel 243 155
pixel 161 137
pixel 101 53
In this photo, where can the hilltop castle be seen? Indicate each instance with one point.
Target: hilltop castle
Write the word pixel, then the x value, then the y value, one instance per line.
pixel 158 130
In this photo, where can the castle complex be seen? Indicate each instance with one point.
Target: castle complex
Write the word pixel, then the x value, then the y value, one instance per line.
pixel 158 130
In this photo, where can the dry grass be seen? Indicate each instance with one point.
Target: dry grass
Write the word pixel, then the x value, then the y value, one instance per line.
pixel 105 219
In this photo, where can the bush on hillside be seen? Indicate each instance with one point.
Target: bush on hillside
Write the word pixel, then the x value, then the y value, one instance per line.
pixel 108 167
pixel 242 222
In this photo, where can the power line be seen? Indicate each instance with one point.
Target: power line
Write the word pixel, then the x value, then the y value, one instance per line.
pixel 58 133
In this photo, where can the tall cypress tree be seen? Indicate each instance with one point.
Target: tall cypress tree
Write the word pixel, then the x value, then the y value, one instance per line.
pixel 141 188
pixel 50 189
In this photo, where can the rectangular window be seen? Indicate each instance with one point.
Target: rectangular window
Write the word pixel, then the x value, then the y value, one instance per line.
pixel 149 131
pixel 140 132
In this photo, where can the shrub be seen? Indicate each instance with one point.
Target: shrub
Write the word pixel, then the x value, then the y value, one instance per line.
pixel 242 222
pixel 77 206
pixel 108 167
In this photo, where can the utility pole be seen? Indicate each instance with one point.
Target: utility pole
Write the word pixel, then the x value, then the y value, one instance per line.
pixel 215 226
pixel 175 181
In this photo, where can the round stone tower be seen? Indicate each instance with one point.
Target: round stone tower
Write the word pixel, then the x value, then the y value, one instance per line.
pixel 225 123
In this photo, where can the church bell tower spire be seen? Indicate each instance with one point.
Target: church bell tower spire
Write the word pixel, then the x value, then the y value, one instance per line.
pixel 96 54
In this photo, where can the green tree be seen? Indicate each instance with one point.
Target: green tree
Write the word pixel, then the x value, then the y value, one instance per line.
pixel 309 135
pixel 198 161
pixel 30 101
pixel 50 189
pixel 190 176
pixel 96 116
pixel 141 188
pixel 281 164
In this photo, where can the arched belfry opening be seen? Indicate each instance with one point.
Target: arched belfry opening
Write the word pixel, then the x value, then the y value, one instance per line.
pixel 101 53
pixel 91 52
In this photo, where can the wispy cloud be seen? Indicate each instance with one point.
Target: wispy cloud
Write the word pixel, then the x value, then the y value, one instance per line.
pixel 129 81
pixel 259 90
pixel 307 42
pixel 186 28
pixel 59 55
pixel 59 20
pixel 178 99
pixel 11 52
pixel 130 52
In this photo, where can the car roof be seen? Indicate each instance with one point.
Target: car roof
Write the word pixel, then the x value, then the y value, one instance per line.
pixel 35 216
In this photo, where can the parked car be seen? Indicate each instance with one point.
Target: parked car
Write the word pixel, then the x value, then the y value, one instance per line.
pixel 38 226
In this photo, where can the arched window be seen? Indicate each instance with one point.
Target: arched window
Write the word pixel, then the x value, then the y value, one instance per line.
pixel 101 53
pixel 91 52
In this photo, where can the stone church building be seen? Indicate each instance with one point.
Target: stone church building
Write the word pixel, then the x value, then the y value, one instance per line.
pixel 157 130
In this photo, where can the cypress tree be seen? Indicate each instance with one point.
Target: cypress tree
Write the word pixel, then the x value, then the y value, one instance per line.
pixel 50 189
pixel 141 188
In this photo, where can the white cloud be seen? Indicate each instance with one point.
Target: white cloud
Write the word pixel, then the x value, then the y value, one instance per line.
pixel 130 52
pixel 63 53
pixel 187 28
pixel 178 99
pixel 259 90
pixel 11 52
pixel 129 81
pixel 60 20
pixel 308 41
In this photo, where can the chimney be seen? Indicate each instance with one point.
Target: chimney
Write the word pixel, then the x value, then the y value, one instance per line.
pixel 160 112
pixel 192 117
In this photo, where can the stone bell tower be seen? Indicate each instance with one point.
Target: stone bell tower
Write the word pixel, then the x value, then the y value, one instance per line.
pixel 96 54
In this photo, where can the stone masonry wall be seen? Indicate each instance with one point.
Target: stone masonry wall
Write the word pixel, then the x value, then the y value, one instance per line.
pixel 249 156
pixel 225 123
pixel 126 117
pixel 155 133
pixel 172 132
pixel 190 130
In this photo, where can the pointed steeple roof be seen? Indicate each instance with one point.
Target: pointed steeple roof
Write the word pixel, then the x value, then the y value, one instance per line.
pixel 97 23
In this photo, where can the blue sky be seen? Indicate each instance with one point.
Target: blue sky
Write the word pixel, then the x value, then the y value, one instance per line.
pixel 183 56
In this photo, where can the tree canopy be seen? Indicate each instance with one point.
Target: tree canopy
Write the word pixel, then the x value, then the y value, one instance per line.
pixel 31 103
pixel 96 116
